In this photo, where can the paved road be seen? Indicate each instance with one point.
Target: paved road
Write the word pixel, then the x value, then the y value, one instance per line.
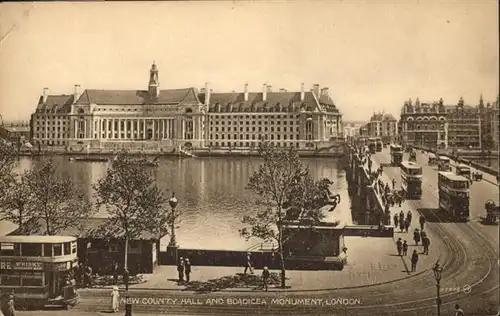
pixel 470 278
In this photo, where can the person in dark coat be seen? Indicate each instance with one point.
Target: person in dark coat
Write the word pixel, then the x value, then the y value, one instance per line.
pixel 265 277
pixel 396 222
pixel 416 236
pixel 458 311
pixel 180 269
pixel 399 246
pixel 422 222
pixel 401 216
pixel 405 248
pixel 407 225
pixel 401 224
pixel 394 184
pixel 408 216
pixel 187 269
pixel 426 243
pixel 414 260
pixel 115 273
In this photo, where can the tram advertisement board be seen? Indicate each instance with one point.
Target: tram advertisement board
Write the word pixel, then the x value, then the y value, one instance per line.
pixel 21 265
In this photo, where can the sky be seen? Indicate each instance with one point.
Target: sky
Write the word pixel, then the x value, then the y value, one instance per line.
pixel 372 55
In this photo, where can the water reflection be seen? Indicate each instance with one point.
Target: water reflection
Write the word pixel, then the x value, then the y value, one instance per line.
pixel 211 192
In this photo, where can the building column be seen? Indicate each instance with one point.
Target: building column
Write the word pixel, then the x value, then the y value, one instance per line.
pixel 144 128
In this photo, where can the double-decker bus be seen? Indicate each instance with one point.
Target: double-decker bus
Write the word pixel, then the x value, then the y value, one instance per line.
pixel 372 145
pixel 362 142
pixel 454 195
pixel 36 269
pixel 411 179
pixel 396 154
pixel 463 170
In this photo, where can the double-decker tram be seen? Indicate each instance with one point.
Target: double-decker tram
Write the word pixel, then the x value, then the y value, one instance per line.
pixel 433 160
pixel 396 154
pixel 372 145
pixel 463 170
pixel 378 144
pixel 37 269
pixel 411 179
pixel 454 195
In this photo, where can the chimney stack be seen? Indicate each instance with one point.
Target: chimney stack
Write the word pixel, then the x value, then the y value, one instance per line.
pixel 316 89
pixel 264 92
pixel 45 94
pixel 302 92
pixel 77 92
pixel 207 94
pixel 246 91
pixel 269 88
pixel 325 91
pixel 282 90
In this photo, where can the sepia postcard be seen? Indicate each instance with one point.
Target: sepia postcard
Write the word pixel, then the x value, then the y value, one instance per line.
pixel 336 158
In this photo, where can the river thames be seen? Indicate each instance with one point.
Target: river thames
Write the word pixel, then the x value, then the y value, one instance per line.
pixel 211 193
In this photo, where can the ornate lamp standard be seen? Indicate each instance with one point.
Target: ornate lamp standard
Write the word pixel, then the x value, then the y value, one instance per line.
pixel 437 269
pixel 173 203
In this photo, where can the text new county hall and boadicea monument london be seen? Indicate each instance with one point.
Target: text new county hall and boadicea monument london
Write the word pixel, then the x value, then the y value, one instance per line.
pixel 158 119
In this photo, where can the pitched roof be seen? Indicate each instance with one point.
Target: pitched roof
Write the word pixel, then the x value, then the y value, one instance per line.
pixel 56 102
pixel 96 227
pixel 137 97
pixel 285 99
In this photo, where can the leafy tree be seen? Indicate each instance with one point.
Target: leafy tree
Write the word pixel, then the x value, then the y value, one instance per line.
pixel 7 164
pixel 133 201
pixel 56 200
pixel 17 206
pixel 288 192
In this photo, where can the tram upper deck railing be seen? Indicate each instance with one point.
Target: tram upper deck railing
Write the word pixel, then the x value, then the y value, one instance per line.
pixel 39 248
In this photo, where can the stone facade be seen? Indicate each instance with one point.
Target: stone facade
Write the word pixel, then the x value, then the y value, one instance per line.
pixel 424 124
pixel 383 126
pixel 166 119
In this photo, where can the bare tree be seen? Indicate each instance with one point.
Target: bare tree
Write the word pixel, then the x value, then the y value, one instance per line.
pixel 133 201
pixel 288 192
pixel 7 164
pixel 57 201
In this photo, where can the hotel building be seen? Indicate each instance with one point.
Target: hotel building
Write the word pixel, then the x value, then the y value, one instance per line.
pixel 163 120
pixel 464 122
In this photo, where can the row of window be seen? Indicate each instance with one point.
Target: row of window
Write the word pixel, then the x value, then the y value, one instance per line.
pixel 37 249
pixel 250 144
pixel 53 135
pixel 43 123
pixel 247 129
pixel 48 129
pixel 253 137
pixel 24 278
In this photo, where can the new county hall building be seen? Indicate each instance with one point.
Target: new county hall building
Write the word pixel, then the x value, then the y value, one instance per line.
pixel 165 119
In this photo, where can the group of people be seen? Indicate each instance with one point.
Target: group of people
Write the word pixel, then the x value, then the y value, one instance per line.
pixel 402 222
pixel 184 269
pixel 265 272
pixel 83 275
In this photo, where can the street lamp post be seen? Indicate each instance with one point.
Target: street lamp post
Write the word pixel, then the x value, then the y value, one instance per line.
pixel 437 269
pixel 173 203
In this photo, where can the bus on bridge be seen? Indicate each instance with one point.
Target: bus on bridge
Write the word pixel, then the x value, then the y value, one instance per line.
pixel 373 145
pixel 396 155
pixel 454 195
pixel 411 179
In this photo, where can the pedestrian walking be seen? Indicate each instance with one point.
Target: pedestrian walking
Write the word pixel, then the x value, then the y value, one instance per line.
pixel 115 299
pixel 458 311
pixel 248 265
pixel 88 276
pixel 401 216
pixel 405 248
pixel 393 184
pixel 265 277
pixel 187 269
pixel 416 236
pixel 422 222
pixel 396 222
pixel 115 273
pixel 399 246
pixel 414 260
pixel 400 199
pixel 180 269
pixel 8 306
pixel 409 216
pixel 401 224
pixel 426 243
pixel 407 225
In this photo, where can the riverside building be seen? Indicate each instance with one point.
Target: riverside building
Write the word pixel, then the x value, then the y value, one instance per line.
pixel 155 119
pixel 383 126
